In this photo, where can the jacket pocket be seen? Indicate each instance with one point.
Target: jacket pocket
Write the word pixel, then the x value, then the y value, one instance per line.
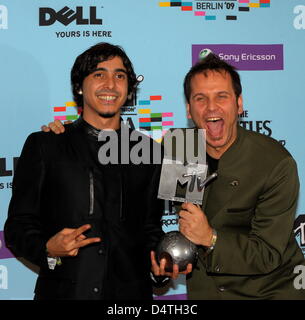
pixel 239 217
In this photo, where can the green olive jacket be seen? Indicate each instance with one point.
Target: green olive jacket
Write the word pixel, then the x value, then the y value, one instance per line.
pixel 252 205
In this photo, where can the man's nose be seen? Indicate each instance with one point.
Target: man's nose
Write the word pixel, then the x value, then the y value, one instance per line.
pixel 109 82
pixel 211 105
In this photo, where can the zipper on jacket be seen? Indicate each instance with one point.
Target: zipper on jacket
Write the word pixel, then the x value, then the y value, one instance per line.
pixel 91 193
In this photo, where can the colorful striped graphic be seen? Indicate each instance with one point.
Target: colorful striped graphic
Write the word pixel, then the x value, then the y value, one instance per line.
pixel 66 118
pixel 71 108
pixel 155 122
pixel 210 7
pixel 231 17
pixel 164 4
pixel 154 98
pixel 185 6
pixel 210 17
pixel 252 4
pixel 144 103
pixel 144 111
pixel 243 9
pixel 147 102
pixel 199 13
pixel 264 3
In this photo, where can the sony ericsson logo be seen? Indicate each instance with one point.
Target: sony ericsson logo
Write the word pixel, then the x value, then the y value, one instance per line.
pixel 3 17
pixel 204 53
pixel 66 15
pixel 244 56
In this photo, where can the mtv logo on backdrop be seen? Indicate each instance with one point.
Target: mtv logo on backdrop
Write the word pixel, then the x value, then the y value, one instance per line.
pixel 3 17
pixel 299 228
pixel 48 16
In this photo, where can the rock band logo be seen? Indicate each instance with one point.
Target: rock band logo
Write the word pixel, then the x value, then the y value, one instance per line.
pixel 66 15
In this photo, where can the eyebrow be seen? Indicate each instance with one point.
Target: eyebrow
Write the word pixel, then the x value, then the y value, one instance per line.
pixel 218 92
pixel 224 92
pixel 115 70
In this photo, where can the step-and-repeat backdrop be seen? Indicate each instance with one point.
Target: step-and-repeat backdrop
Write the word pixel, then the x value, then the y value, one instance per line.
pixel 39 41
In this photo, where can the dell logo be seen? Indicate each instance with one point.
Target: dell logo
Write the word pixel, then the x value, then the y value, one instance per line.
pixel 48 16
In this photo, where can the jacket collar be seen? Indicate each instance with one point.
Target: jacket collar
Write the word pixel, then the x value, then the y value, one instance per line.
pixel 231 155
pixel 220 191
pixel 88 129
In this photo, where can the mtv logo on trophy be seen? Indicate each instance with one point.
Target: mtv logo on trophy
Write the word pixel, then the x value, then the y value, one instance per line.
pixel 183 178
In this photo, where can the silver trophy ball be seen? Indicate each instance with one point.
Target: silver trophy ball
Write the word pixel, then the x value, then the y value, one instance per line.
pixel 176 249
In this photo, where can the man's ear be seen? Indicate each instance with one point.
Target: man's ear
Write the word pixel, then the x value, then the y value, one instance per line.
pixel 240 104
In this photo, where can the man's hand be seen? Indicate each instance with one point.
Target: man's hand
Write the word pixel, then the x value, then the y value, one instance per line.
pixel 159 270
pixel 68 241
pixel 56 126
pixel 193 224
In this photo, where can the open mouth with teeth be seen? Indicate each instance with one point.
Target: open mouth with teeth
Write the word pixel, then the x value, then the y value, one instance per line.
pixel 107 98
pixel 214 126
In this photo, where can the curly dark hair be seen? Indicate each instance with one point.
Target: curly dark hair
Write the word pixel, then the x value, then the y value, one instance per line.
pixel 212 63
pixel 87 62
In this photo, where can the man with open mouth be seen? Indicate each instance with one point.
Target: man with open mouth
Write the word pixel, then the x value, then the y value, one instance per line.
pixel 244 228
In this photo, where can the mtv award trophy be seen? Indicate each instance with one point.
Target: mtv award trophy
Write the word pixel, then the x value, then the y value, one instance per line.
pixel 183 178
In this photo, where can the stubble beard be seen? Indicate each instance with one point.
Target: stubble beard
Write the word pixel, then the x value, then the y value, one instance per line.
pixel 107 115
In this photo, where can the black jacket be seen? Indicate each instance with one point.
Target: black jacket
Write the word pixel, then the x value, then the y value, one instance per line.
pixel 54 188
